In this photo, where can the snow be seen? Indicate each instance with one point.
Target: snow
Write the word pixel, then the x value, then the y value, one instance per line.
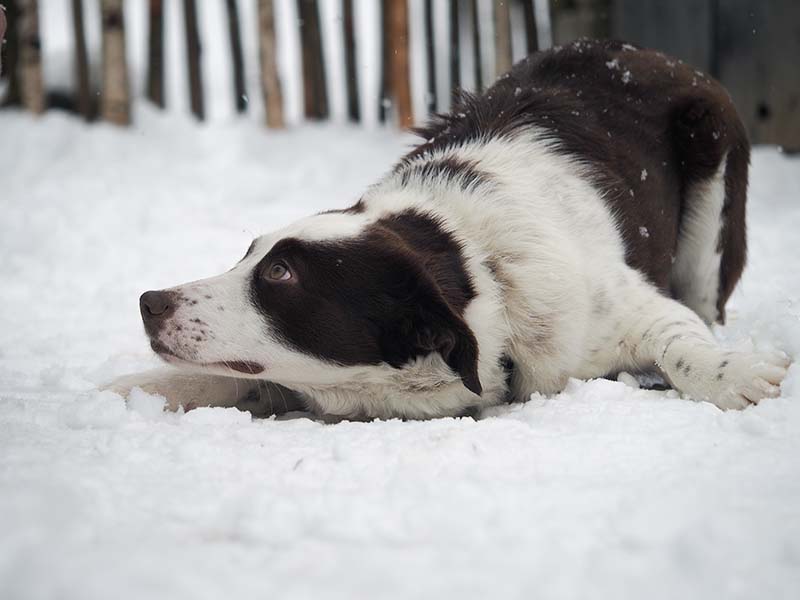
pixel 628 380
pixel 604 490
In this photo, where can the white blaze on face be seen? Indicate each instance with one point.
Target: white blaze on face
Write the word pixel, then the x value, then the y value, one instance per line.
pixel 214 320
pixel 217 321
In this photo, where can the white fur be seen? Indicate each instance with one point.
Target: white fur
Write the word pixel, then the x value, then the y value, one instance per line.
pixel 695 274
pixel 553 292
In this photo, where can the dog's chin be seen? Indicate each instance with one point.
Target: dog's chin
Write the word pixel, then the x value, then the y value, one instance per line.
pixel 222 367
pixel 162 350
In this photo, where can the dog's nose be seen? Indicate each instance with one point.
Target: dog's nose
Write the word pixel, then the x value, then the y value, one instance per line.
pixel 156 307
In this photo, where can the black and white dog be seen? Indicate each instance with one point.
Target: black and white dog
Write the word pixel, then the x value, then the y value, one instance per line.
pixel 583 216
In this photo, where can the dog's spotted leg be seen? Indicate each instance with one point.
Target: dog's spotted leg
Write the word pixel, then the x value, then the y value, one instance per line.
pixel 193 390
pixel 664 333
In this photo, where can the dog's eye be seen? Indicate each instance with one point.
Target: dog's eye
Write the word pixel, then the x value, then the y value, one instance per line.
pixel 278 271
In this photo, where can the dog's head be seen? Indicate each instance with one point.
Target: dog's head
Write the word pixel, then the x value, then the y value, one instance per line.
pixel 330 291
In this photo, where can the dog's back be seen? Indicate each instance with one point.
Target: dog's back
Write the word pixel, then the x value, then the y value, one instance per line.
pixel 663 143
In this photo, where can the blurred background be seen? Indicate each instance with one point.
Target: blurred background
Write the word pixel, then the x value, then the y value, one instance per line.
pixel 279 62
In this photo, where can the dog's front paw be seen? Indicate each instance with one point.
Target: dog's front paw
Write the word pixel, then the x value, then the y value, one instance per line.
pixel 186 390
pixel 122 386
pixel 739 379
pixel 155 383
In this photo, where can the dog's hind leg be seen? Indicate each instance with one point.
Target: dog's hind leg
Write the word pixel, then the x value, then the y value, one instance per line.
pixel 733 236
pixel 710 254
pixel 696 272
pixel 193 390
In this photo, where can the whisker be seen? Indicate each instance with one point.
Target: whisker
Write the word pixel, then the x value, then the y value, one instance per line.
pixel 271 404
pixel 285 404
pixel 235 381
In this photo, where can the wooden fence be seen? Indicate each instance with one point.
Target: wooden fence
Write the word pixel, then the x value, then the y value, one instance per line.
pixel 750 45
pixel 23 59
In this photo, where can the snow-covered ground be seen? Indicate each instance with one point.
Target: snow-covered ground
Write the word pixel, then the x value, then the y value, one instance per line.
pixel 602 491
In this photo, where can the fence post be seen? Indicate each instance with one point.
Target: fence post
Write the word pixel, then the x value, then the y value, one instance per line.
pixel 155 53
pixel 2 36
pixel 754 48
pixel 476 45
pixel 270 81
pixel 30 56
pixel 83 95
pixel 430 58
pixel 10 53
pixel 239 89
pixel 350 70
pixel 314 90
pixel 531 33
pixel 115 98
pixel 395 90
pixel 193 50
pixel 385 100
pixel 455 53
pixel 502 37
pixel 684 29
pixel 398 61
pixel 580 18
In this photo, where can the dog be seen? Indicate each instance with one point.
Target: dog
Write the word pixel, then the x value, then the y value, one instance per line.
pixel 583 216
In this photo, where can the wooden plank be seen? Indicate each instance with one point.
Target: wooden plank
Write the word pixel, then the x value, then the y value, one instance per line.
pixel 455 52
pixel 430 58
pixel 683 29
pixel 115 98
pixel 314 88
pixel 350 69
pixel 270 80
pixel 3 26
pixel 580 18
pixel 398 60
pixel 237 58
pixel 83 93
pixel 10 56
pixel 30 57
pixel 757 48
pixel 395 76
pixel 476 44
pixel 502 37
pixel 385 99
pixel 193 50
pixel 531 32
pixel 155 53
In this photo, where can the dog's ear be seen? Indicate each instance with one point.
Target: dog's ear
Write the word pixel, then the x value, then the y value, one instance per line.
pixel 426 323
pixel 453 339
